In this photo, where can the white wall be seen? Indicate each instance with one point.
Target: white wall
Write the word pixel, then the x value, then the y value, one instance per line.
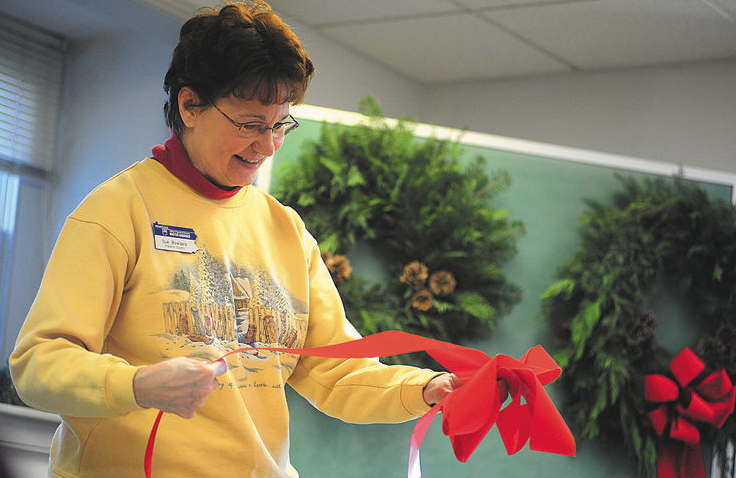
pixel 344 77
pixel 682 114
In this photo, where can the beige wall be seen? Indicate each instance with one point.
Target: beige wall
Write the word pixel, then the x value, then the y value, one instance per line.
pixel 682 114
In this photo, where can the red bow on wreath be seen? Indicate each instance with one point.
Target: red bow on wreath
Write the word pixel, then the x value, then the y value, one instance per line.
pixel 682 403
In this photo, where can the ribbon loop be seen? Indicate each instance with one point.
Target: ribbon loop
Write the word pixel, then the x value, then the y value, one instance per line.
pixel 658 388
pixel 685 431
pixel 659 419
pixel 698 409
pixel 515 425
pixel 715 385
pixel 686 366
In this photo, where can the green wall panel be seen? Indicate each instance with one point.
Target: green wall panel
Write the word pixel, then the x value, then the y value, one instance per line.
pixel 547 195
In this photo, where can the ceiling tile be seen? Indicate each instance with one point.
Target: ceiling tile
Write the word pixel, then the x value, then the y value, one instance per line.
pixel 625 33
pixel 458 47
pixel 327 12
pixel 726 8
pixel 440 41
pixel 183 9
pixel 485 4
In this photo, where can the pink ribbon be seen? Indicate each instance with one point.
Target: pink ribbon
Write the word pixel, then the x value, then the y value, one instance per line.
pixel 469 412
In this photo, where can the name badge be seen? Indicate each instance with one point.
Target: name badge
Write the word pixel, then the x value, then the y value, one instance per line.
pixel 174 238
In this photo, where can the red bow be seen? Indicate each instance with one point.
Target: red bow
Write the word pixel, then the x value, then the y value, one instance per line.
pixel 471 410
pixel 681 404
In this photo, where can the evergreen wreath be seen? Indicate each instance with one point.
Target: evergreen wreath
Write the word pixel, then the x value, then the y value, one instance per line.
pixel 425 215
pixel 655 228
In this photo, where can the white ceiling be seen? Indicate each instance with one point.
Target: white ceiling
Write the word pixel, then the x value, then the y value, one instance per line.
pixel 450 41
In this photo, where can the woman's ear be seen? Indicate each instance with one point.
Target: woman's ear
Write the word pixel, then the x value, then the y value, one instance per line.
pixel 188 106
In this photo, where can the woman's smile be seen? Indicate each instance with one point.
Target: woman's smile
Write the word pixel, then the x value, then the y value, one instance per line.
pixel 250 161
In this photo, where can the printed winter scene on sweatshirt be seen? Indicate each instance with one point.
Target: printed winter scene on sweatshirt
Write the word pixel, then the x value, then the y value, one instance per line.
pixel 220 308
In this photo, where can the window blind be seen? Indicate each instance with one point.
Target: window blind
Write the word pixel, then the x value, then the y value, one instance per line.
pixel 31 69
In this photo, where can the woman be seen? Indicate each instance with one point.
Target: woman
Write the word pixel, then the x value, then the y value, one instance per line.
pixel 177 260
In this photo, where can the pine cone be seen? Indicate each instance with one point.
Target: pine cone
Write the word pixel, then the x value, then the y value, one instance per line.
pixel 338 265
pixel 422 300
pixel 415 275
pixel 442 283
pixel 718 351
pixel 640 335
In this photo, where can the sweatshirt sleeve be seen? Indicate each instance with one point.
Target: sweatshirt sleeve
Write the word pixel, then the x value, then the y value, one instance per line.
pixel 353 390
pixel 59 364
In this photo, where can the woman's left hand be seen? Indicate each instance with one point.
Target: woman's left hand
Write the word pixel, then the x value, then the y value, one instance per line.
pixel 440 386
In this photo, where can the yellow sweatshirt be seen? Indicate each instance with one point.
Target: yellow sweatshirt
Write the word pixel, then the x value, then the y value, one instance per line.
pixel 147 269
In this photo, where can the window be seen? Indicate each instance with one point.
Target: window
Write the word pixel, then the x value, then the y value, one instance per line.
pixel 31 66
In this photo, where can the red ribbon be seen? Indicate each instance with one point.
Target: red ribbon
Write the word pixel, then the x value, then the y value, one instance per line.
pixel 470 411
pixel 681 404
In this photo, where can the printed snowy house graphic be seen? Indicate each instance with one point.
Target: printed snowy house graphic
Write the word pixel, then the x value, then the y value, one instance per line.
pixel 246 308
pixel 242 294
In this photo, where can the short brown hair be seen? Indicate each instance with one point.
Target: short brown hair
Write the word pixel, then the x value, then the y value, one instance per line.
pixel 241 49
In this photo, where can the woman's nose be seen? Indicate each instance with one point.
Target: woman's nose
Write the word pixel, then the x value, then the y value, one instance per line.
pixel 265 143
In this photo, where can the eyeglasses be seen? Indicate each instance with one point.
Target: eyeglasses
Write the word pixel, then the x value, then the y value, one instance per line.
pixel 255 128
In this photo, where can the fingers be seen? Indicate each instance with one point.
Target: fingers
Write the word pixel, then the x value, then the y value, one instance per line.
pixel 455 382
pixel 442 385
pixel 439 387
pixel 178 386
pixel 219 367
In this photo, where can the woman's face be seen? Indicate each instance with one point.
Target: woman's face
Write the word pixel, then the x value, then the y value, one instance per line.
pixel 216 148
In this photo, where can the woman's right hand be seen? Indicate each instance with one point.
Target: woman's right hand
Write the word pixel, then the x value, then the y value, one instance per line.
pixel 179 385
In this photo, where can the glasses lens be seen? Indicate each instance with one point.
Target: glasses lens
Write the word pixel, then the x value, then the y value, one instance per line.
pixel 279 130
pixel 291 125
pixel 251 130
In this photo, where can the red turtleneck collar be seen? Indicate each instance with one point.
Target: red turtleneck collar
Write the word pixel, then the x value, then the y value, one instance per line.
pixel 174 157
